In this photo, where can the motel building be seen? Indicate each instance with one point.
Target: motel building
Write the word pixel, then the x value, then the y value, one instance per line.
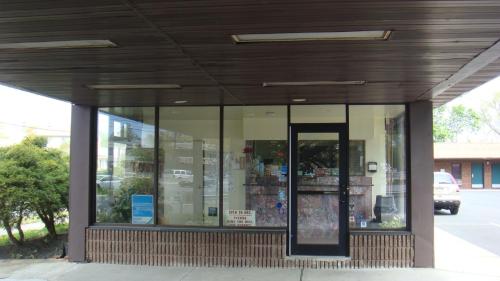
pixel 251 134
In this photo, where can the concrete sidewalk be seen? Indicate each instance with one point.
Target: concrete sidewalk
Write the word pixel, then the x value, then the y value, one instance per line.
pixel 55 270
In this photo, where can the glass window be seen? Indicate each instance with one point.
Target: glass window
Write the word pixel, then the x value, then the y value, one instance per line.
pixel 125 165
pixel 333 113
pixel 188 183
pixel 357 157
pixel 318 164
pixel 255 166
pixel 378 196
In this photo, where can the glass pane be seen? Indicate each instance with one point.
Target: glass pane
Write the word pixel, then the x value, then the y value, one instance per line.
pixel 255 166
pixel 188 183
pixel 317 113
pixel 377 196
pixel 125 165
pixel 318 157
pixel 318 219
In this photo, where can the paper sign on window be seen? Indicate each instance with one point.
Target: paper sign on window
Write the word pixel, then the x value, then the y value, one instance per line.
pixel 239 217
pixel 142 209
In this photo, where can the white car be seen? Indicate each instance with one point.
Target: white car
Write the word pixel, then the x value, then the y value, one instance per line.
pixel 446 192
pixel 108 182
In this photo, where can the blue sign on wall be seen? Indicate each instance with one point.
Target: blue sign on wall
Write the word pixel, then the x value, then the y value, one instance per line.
pixel 142 209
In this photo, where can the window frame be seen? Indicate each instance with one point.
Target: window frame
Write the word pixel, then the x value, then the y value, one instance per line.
pixel 221 227
pixel 407 150
pixel 287 107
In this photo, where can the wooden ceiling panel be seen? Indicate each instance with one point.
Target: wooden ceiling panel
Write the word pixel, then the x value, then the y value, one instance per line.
pixel 188 43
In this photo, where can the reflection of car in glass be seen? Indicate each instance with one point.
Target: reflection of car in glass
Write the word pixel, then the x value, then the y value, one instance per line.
pixel 446 192
pixel 108 182
pixel 180 175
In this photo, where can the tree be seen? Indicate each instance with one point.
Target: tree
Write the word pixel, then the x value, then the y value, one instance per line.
pixel 35 179
pixel 13 197
pixel 490 113
pixel 449 122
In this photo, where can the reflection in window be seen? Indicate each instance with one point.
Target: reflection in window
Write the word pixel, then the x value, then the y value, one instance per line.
pixel 318 156
pixel 378 195
pixel 125 164
pixel 188 192
pixel 255 166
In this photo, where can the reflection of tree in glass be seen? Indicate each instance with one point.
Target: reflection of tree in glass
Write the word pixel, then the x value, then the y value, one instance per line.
pixel 317 154
pixel 121 208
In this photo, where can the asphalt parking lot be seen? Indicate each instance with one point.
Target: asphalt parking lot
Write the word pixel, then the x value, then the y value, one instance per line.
pixel 478 220
pixel 468 242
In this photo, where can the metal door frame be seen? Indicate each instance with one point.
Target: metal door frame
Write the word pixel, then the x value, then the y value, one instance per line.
pixel 340 249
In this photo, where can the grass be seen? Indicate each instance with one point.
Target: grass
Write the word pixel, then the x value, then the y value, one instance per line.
pixel 34 234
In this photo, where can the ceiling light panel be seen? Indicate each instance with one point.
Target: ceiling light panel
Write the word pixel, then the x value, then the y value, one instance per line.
pixel 133 86
pixel 313 83
pixel 58 45
pixel 312 36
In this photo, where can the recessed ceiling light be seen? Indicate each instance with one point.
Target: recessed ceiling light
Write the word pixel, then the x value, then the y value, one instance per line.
pixel 133 86
pixel 312 83
pixel 180 101
pixel 299 100
pixel 312 36
pixel 58 44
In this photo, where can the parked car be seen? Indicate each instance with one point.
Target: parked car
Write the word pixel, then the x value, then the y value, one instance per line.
pixel 446 192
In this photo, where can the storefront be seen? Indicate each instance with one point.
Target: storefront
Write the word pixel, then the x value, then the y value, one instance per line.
pixel 319 186
pixel 251 133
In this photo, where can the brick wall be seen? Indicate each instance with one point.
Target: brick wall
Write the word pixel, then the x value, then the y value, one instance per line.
pixel 466 174
pixel 240 249
pixel 442 165
pixel 466 171
pixel 487 174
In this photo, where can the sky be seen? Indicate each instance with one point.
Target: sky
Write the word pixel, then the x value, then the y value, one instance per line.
pixel 473 99
pixel 22 113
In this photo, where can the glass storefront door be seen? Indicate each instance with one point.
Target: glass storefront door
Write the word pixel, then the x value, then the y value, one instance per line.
pixel 319 190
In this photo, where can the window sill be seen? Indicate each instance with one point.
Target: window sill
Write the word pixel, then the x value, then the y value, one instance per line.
pixel 380 231
pixel 185 229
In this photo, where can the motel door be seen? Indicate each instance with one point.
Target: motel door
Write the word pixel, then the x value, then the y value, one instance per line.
pixel 477 175
pixel 319 195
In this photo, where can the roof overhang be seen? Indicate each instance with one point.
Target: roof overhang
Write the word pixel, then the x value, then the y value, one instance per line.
pixel 436 50
pixel 464 151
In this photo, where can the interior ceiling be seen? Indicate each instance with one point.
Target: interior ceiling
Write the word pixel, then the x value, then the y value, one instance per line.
pixel 188 43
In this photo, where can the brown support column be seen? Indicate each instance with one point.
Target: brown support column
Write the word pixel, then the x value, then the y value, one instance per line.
pixel 422 202
pixel 80 166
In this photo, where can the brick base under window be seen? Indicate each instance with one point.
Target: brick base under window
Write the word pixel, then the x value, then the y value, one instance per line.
pixel 238 249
